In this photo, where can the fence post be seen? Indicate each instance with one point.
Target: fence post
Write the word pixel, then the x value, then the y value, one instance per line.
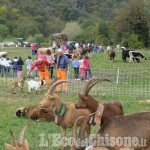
pixel 118 75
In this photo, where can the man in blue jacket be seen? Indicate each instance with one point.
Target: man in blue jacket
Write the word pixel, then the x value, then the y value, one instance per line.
pixel 62 67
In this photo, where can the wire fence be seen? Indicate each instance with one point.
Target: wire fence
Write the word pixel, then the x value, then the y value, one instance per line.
pixel 124 82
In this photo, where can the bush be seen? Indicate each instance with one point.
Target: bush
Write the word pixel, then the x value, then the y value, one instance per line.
pixel 45 44
pixel 39 38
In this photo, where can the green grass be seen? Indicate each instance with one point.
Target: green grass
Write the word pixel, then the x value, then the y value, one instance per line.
pixel 10 103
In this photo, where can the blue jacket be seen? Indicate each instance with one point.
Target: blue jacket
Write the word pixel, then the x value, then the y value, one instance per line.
pixel 75 63
pixel 19 64
pixel 64 63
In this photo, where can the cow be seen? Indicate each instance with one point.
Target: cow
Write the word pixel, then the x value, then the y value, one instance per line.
pixel 125 54
pixel 134 54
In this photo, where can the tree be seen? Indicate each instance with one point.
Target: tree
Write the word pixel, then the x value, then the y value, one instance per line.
pixel 4 30
pixel 131 19
pixel 72 30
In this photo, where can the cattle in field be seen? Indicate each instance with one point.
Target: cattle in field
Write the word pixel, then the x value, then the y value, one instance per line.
pixel 86 51
pixel 111 54
pixel 138 55
pixel 125 54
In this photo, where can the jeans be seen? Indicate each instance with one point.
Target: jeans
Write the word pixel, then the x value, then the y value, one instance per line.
pixel 76 73
pixel 8 71
pixel 36 73
pixel 90 74
pixel 14 72
pixel 51 69
pixel 3 70
pixel 54 50
pixel 33 52
pixel 31 73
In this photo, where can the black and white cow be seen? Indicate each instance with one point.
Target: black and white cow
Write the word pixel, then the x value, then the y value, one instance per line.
pixel 125 54
pixel 134 54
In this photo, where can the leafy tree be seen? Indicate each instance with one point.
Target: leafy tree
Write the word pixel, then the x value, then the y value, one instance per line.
pixel 4 30
pixel 72 30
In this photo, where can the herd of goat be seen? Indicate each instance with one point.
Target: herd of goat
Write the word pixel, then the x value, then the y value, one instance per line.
pixel 83 114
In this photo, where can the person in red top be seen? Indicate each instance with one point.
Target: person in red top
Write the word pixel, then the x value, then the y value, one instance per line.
pixel 42 65
pixel 33 49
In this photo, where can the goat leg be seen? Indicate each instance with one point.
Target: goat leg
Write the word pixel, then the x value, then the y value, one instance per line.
pixel 63 134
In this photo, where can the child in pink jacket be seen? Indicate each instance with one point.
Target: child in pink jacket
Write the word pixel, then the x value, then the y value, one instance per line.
pixel 86 63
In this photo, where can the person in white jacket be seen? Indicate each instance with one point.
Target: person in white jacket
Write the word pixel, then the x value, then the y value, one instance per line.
pixel 29 63
pixel 3 65
pixel 8 66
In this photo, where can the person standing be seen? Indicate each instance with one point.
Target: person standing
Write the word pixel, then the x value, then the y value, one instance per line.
pixel 3 65
pixel 51 59
pixel 75 64
pixel 82 67
pixel 42 65
pixel 86 63
pixel 62 67
pixel 54 46
pixel 29 63
pixel 20 63
pixel 14 66
pixel 33 49
pixel 8 64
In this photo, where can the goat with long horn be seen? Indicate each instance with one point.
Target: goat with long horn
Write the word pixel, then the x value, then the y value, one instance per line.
pixel 20 145
pixel 64 110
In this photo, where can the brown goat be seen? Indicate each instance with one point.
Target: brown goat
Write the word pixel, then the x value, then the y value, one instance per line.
pixel 86 51
pixel 133 127
pixel 36 113
pixel 71 114
pixel 18 85
pixel 111 54
pixel 20 145
pixel 87 101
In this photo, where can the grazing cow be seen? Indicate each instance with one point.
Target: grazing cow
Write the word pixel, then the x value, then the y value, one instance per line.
pixel 86 51
pixel 111 54
pixel 36 113
pixel 133 131
pixel 134 54
pixel 125 54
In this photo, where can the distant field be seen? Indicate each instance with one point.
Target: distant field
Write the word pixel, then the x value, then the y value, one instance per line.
pixel 99 61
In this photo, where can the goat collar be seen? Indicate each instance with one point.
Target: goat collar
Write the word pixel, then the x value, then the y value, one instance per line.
pixel 62 110
pixel 99 113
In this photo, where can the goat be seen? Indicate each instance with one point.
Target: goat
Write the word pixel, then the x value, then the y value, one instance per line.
pixel 36 113
pixel 130 126
pixel 138 55
pixel 35 85
pixel 87 101
pixel 18 85
pixel 70 113
pixel 20 145
pixel 111 54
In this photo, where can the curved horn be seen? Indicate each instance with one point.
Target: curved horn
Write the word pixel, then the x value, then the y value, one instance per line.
pixel 54 82
pixel 52 87
pixel 93 83
pixel 75 126
pixel 21 137
pixel 86 85
pixel 13 138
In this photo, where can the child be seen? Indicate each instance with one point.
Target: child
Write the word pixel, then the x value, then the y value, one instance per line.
pixel 86 63
pixel 41 55
pixel 8 64
pixel 19 66
pixel 81 67
pixel 36 70
pixel 14 66
pixel 29 63
pixel 75 64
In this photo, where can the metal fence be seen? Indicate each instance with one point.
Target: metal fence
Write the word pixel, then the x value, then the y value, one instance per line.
pixel 124 82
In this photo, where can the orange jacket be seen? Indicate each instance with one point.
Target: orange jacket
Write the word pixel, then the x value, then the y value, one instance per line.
pixel 41 67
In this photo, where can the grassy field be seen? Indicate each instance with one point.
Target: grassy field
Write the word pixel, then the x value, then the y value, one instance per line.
pixel 9 103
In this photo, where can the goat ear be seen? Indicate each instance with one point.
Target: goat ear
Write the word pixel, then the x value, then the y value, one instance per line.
pixel 26 144
pixel 82 96
pixel 10 147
